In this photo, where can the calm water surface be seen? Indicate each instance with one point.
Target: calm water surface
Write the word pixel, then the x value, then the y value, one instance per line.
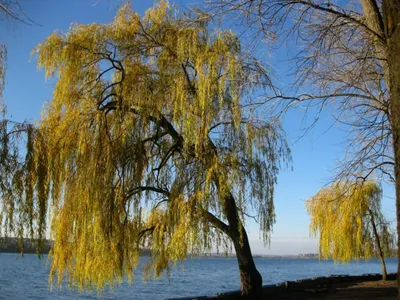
pixel 27 277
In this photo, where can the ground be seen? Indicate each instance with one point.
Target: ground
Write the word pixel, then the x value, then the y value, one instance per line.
pixel 377 290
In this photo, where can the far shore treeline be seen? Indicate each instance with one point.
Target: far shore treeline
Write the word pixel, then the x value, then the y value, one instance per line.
pixel 13 245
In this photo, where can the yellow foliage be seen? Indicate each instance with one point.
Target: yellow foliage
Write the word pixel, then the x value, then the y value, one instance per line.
pixel 343 215
pixel 145 114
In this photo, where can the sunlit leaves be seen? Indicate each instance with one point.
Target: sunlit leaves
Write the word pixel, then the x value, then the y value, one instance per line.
pixel 18 209
pixel 343 215
pixel 146 134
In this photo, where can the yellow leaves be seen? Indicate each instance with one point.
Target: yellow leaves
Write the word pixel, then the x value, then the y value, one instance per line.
pixel 341 214
pixel 49 54
pixel 157 14
pixel 125 25
pixel 130 157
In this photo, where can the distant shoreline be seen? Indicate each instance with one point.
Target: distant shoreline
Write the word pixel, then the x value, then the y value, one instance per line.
pixel 12 245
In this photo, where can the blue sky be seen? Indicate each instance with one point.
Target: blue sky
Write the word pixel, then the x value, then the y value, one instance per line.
pixel 314 155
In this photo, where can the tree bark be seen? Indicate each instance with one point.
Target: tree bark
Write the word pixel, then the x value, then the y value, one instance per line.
pixel 250 278
pixel 378 243
pixel 374 20
pixel 391 13
pixel 384 271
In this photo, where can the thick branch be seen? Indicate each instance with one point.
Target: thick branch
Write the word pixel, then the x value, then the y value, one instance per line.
pixel 217 223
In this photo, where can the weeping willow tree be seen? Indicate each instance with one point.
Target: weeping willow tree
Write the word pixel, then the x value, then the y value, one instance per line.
pixel 151 141
pixel 12 171
pixel 13 216
pixel 350 223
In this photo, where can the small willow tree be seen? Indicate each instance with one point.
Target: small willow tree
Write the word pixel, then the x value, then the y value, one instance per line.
pixel 350 224
pixel 149 142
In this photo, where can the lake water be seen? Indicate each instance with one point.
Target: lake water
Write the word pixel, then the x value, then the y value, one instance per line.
pixel 27 277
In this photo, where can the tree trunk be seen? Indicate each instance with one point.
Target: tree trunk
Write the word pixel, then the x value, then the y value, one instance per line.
pixel 250 278
pixel 391 13
pixel 378 244
pixel 384 271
